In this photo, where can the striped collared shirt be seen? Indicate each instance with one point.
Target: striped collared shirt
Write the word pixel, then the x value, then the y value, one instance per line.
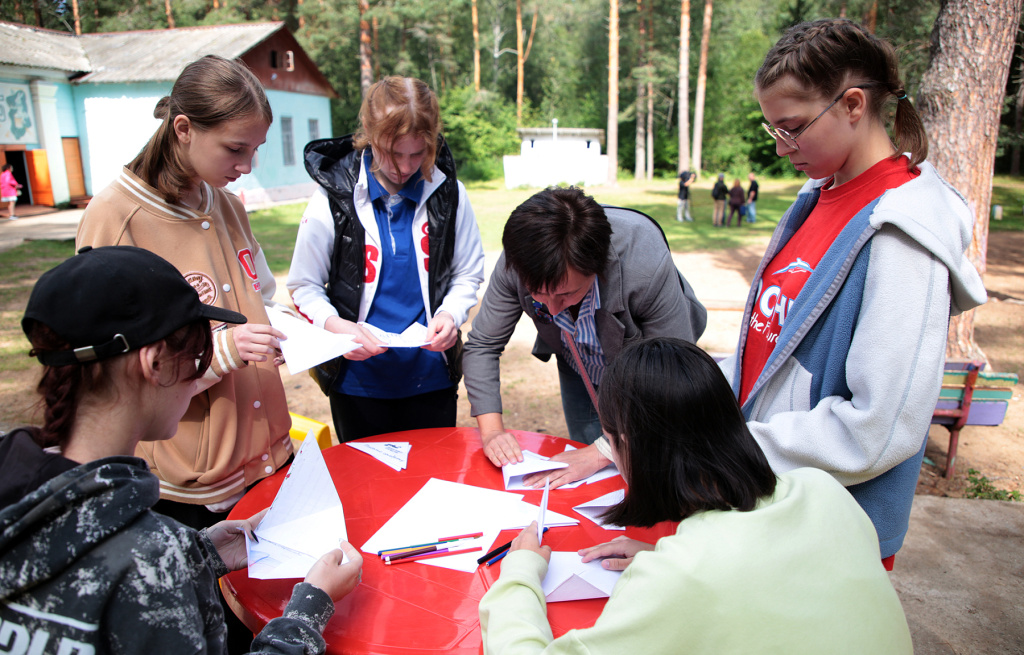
pixel 584 331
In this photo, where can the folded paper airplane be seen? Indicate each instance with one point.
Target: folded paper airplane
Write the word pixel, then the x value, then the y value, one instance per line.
pixel 569 578
pixel 593 509
pixel 414 336
pixel 532 463
pixel 305 521
pixel 393 453
pixel 307 345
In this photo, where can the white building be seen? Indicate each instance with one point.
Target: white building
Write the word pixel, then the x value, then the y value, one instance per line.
pixel 550 156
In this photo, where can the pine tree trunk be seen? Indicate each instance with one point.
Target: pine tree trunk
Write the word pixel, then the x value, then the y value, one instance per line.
pixel 702 83
pixel 365 56
pixel 612 133
pixel 960 101
pixel 684 86
pixel 650 131
pixel 476 48
pixel 1018 121
pixel 78 18
pixel 519 63
pixel 639 154
pixel 170 14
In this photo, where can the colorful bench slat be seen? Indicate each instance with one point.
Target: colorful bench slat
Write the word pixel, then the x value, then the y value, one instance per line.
pixel 970 396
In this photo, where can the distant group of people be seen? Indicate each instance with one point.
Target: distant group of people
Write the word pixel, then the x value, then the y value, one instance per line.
pixel 790 466
pixel 742 204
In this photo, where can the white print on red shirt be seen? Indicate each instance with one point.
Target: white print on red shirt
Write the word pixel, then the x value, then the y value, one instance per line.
pixel 370 270
pixel 245 259
pixel 425 246
pixel 773 305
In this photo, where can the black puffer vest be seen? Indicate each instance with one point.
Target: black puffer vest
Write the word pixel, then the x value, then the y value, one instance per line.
pixel 334 164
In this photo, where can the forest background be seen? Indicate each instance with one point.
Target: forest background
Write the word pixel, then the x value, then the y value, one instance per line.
pixel 563 46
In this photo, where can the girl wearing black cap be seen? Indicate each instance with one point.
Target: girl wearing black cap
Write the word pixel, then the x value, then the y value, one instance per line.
pixel 84 562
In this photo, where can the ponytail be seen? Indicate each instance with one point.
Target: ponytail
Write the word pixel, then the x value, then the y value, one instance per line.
pixel 908 130
pixel 209 92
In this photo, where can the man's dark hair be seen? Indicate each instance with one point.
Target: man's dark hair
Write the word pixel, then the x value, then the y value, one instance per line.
pixel 555 230
pixel 681 440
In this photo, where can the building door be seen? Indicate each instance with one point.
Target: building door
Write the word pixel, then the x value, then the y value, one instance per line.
pixel 39 177
pixel 73 162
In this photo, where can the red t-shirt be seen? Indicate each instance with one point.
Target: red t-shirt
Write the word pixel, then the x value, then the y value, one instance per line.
pixel 789 270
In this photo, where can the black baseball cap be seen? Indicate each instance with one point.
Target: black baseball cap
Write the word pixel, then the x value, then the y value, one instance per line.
pixel 111 300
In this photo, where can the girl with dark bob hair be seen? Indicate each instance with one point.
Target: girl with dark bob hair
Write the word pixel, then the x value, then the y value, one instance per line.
pixel 758 563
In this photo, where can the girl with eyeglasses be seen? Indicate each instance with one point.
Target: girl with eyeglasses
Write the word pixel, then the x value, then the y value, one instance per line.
pixel 840 356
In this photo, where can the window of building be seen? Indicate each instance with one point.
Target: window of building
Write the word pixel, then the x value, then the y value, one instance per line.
pixel 288 141
pixel 314 129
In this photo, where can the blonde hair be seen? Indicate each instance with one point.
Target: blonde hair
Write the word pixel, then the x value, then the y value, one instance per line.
pixel 833 53
pixel 209 91
pixel 396 107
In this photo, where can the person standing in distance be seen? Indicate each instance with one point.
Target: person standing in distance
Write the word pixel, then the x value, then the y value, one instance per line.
pixel 686 178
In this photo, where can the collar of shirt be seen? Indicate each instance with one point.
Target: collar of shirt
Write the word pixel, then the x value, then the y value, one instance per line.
pixel 583 331
pixel 413 189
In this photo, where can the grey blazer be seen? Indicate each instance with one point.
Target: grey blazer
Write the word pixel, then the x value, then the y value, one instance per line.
pixel 643 294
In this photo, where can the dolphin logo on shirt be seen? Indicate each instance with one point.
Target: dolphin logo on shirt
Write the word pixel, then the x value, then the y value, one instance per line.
pixel 798 265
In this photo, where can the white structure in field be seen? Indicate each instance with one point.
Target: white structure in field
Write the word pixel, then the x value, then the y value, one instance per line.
pixel 553 156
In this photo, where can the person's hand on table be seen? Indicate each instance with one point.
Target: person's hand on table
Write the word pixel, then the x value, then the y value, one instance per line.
pixel 617 553
pixel 582 464
pixel 527 540
pixel 442 332
pixel 337 580
pixel 258 343
pixel 499 446
pixel 228 538
pixel 369 345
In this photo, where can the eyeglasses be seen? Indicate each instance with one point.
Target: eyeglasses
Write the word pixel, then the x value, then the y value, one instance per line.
pixel 789 140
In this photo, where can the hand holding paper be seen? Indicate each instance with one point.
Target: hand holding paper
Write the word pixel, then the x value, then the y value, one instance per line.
pixel 569 578
pixel 308 345
pixel 305 521
pixel 532 463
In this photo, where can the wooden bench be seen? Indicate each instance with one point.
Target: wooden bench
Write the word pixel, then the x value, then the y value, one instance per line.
pixel 970 396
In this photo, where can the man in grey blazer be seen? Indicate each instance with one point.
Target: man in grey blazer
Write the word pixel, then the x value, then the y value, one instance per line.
pixel 592 279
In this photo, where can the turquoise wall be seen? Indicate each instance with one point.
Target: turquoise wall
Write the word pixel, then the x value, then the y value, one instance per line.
pixel 270 170
pixel 66 115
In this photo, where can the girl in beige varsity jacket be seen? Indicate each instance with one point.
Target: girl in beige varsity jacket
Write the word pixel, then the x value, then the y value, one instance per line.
pixel 171 200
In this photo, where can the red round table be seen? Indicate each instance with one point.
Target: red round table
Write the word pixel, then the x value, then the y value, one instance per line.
pixel 418 608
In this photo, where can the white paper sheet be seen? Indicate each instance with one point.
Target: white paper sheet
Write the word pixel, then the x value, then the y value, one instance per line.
pixel 413 336
pixel 307 345
pixel 594 508
pixel 441 509
pixel 569 578
pixel 532 463
pixel 305 521
pixel 393 453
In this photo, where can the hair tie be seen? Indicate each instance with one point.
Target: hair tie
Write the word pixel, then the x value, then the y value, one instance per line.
pixel 901 95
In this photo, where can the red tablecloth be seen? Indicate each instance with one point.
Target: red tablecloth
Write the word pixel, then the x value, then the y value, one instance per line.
pixel 417 608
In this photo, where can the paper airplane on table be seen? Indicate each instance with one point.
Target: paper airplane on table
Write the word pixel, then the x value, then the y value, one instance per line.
pixel 569 578
pixel 307 345
pixel 393 453
pixel 526 512
pixel 593 509
pixel 413 336
pixel 609 471
pixel 305 521
pixel 532 463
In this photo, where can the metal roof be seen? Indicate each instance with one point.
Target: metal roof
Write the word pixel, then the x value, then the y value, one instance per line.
pixel 31 47
pixel 143 56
